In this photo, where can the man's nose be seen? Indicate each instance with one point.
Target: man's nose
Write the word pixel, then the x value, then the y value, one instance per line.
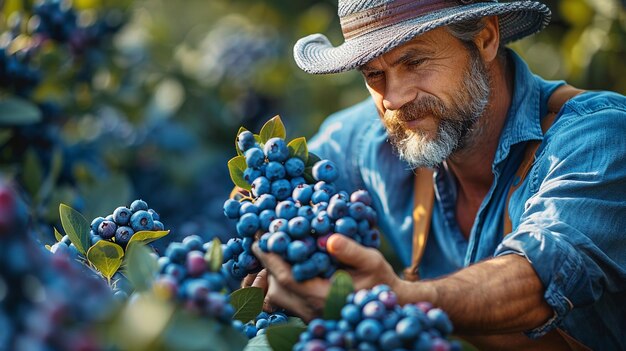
pixel 398 93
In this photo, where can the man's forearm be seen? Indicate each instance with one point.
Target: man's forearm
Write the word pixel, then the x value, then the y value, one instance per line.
pixel 501 295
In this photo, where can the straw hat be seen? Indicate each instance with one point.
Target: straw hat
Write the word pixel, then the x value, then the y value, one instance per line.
pixel 374 27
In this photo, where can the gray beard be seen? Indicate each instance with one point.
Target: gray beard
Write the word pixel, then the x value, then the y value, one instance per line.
pixel 457 123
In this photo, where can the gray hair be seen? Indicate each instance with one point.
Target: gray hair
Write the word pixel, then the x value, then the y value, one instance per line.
pixel 466 31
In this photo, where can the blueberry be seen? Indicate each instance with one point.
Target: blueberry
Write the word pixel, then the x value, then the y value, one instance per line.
pixel 369 330
pixel 231 208
pixel 158 226
pixel 254 158
pixel 248 207
pixel 276 150
pixel 326 186
pixel 278 225
pixel 408 328
pixel 235 244
pixel 320 196
pixel 325 170
pixel 302 193
pixel 141 220
pixel 96 223
pixel 93 239
pixel 299 227
pixel 297 181
pixel 372 238
pixel 263 242
pixel 346 226
pixel 266 202
pixel 176 271
pixel 306 212
pixel 361 196
pixel 248 262
pixel 362 297
pixel 246 243
pixel 195 263
pixel 337 209
pixel 357 211
pixel 250 331
pixel 163 261
pixel 320 206
pixel 250 174
pixel 138 205
pixel 321 242
pixel 440 321
pixel 304 271
pixel 266 217
pixel 423 343
pixel 286 210
pixel 154 214
pixel 193 242
pixel 107 229
pixel 363 227
pixel 294 167
pixel 248 224
pixel 317 328
pixel 341 195
pixel 274 171
pixel 215 280
pixel 388 298
pixel 391 319
pixel 351 313
pixel 260 186
pixel 245 140
pixel 374 309
pixel 281 189
pixel 123 235
pixel 278 242
pixel 322 261
pixel 121 215
pixel 262 323
pixel 277 318
pixel 176 252
pixel 390 340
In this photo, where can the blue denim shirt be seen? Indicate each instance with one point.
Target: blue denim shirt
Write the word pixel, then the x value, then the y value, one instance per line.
pixel 569 215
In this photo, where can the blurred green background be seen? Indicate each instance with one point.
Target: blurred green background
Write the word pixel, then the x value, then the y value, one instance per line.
pixel 152 112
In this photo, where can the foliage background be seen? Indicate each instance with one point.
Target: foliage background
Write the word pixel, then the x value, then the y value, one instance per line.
pixel 157 117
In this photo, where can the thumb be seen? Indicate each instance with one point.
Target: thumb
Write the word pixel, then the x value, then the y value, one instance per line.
pixel 348 251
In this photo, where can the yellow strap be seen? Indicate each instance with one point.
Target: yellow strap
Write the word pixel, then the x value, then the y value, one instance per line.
pixel 558 98
pixel 423 201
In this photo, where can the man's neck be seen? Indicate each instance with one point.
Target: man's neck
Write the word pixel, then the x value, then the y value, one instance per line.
pixel 472 165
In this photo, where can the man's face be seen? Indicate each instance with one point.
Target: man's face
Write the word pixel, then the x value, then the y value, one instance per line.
pixel 430 94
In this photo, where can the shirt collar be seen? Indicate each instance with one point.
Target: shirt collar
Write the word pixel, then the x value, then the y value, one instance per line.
pixel 523 118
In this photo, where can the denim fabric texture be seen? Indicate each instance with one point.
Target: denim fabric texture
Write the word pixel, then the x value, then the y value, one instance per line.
pixel 569 215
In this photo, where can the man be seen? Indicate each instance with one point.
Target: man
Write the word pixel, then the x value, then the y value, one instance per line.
pixel 447 96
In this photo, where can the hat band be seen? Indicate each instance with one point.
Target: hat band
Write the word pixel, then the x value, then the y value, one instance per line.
pixel 385 15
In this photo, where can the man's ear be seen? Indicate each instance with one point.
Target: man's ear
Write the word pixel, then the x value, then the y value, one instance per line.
pixel 488 40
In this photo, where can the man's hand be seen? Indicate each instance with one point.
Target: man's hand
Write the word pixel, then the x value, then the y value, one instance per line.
pixel 306 299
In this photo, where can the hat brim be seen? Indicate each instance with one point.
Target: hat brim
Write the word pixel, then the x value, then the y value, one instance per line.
pixel 315 54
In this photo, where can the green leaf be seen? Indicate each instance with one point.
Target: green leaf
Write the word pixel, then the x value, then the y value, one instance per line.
pixel 340 287
pixel 33 172
pixel 248 303
pixel 58 235
pixel 188 332
pixel 106 257
pixel 308 170
pixel 239 152
pixel 236 167
pixel 140 267
pixel 147 236
pixel 49 183
pixel 76 227
pixel 282 337
pixel 5 135
pixel 297 148
pixel 258 343
pixel 215 256
pixel 15 111
pixel 272 129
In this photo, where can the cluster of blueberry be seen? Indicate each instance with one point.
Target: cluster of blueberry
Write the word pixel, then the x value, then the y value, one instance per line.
pixel 184 276
pixel 49 302
pixel 373 320
pixel 260 323
pixel 120 226
pixel 294 217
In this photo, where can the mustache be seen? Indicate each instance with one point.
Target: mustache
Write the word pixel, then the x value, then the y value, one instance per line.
pixel 427 105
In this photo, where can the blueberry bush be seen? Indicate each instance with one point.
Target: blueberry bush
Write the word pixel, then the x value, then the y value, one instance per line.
pixel 103 102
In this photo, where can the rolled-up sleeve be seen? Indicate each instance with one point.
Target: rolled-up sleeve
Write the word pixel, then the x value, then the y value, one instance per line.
pixel 570 215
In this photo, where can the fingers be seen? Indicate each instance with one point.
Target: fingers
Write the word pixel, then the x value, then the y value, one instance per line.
pixel 248 280
pixel 278 296
pixel 260 281
pixel 276 266
pixel 348 251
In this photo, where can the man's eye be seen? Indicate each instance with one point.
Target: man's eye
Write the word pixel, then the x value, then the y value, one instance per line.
pixel 373 75
pixel 416 62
